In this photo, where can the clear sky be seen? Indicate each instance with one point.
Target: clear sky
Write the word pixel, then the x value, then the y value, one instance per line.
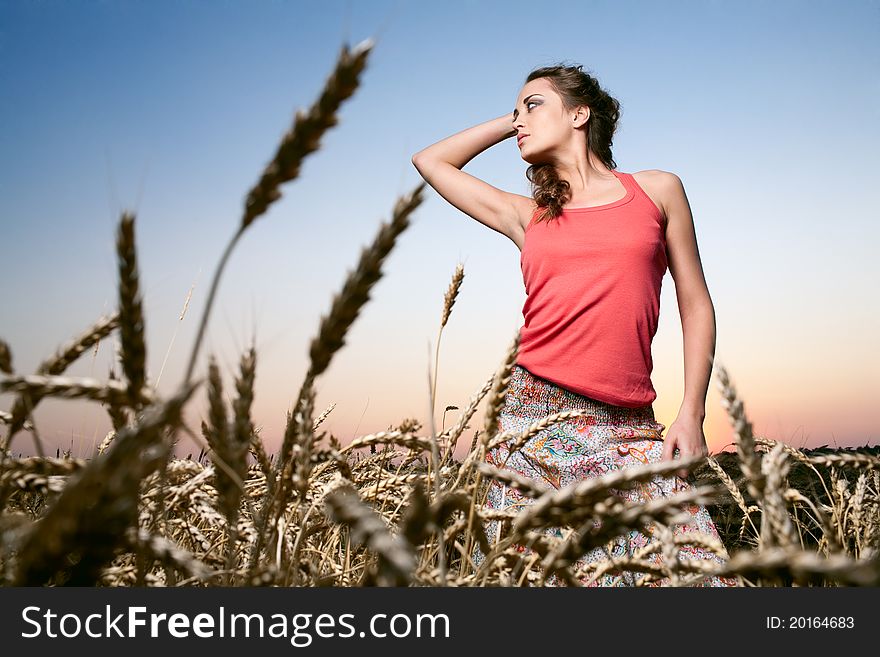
pixel 767 111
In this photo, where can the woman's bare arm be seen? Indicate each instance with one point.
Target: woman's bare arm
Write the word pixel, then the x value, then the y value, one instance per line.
pixel 440 165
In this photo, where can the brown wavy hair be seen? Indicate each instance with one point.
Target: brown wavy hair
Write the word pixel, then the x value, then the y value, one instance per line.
pixel 575 88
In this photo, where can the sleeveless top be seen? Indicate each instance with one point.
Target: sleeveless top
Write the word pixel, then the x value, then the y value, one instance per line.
pixel 592 278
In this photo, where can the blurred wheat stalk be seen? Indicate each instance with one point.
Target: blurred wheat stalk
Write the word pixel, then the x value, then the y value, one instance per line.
pixel 406 514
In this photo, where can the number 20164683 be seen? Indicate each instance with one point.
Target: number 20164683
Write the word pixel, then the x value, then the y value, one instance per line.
pixel 810 622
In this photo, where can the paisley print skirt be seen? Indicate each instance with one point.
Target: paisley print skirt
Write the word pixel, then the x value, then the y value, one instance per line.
pixel 608 437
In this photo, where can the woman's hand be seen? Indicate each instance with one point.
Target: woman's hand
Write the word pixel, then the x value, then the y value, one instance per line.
pixel 685 435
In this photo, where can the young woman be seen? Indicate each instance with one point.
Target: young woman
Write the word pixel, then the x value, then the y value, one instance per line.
pixel 595 244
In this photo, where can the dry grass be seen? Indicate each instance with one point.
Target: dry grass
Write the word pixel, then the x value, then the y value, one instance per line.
pixel 404 513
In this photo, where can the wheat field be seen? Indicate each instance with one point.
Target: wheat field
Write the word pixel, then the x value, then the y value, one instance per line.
pixel 394 508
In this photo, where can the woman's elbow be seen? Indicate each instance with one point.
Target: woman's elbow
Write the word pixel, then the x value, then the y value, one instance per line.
pixel 421 161
pixel 418 158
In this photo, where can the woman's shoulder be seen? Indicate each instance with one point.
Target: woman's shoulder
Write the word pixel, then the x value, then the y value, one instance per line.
pixel 654 175
pixel 657 178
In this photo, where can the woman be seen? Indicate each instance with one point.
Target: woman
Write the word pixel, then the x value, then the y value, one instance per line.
pixel 599 242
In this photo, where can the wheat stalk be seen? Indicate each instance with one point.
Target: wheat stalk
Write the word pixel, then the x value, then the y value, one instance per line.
pixel 5 357
pixel 131 313
pixel 777 561
pixel 54 365
pixel 293 467
pixel 745 443
pixel 579 496
pixel 454 432
pixel 93 512
pixel 782 532
pixel 65 387
pixel 396 559
pixel 448 302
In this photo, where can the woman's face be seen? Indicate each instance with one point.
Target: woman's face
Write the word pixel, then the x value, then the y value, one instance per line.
pixel 539 113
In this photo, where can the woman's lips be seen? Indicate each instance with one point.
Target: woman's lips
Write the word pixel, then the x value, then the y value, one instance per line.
pixel 519 139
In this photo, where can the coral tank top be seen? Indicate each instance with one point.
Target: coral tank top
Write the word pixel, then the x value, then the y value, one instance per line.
pixel 592 279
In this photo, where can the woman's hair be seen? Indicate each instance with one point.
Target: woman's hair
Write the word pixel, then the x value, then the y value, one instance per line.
pixel 574 88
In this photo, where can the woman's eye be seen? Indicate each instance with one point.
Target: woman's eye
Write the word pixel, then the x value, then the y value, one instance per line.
pixel 531 102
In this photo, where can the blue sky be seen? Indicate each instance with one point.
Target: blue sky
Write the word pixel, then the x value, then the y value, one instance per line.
pixel 766 111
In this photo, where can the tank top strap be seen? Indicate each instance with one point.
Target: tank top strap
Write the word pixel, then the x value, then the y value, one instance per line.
pixel 629 181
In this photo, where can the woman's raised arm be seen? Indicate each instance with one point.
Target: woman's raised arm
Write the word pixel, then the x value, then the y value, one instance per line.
pixel 440 165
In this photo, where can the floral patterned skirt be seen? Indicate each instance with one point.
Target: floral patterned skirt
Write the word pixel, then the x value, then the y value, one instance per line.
pixel 607 438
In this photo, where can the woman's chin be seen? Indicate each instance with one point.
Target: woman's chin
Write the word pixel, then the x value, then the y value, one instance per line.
pixel 531 158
